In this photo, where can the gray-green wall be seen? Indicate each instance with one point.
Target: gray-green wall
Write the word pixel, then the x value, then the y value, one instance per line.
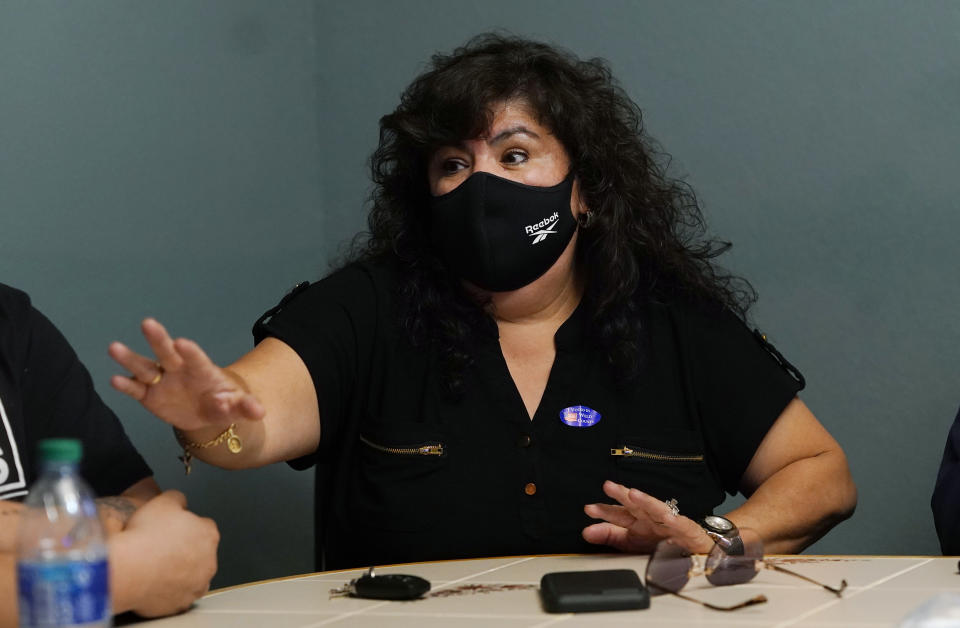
pixel 193 160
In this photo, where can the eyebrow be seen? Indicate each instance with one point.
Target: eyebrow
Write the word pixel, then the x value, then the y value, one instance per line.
pixel 514 130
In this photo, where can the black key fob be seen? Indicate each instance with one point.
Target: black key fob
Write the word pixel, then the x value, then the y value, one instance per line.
pixel 393 586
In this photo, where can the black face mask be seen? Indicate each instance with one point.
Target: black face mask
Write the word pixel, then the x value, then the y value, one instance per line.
pixel 499 234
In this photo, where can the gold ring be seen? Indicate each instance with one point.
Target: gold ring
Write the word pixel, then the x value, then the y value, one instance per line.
pixel 156 379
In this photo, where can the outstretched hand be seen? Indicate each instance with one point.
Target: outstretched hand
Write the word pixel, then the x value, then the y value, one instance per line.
pixel 182 385
pixel 638 522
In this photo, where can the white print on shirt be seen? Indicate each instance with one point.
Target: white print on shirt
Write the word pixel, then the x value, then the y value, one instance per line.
pixel 12 481
pixel 542 229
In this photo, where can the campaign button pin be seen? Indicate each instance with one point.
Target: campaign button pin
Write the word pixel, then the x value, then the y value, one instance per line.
pixel 579 416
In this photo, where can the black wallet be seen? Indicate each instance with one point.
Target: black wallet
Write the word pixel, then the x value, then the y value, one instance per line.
pixel 603 590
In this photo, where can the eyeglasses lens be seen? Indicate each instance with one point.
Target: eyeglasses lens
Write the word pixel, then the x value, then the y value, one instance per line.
pixel 724 569
pixel 668 569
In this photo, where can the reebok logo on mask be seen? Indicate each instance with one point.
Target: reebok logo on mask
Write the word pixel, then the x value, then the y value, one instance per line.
pixel 484 228
pixel 543 228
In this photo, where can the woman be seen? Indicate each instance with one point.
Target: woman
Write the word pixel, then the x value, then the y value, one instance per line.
pixel 533 339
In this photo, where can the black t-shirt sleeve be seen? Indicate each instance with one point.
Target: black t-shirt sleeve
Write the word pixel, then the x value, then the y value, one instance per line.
pixel 59 401
pixel 330 324
pixel 740 386
pixel 946 494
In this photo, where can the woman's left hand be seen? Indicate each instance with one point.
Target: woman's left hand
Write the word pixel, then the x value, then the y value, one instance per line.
pixel 639 522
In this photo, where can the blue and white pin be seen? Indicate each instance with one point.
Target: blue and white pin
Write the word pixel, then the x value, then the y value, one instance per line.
pixel 580 416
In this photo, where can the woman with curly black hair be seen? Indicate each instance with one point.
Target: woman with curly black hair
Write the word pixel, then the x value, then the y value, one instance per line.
pixel 532 351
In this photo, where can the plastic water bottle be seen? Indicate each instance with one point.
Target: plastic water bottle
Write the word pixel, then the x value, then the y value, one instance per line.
pixel 62 573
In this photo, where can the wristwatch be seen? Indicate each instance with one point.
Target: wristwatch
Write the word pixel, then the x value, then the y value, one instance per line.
pixel 724 533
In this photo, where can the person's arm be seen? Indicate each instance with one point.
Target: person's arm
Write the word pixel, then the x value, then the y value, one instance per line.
pixel 798 486
pixel 114 511
pixel 8 590
pixel 161 556
pixel 268 394
pixel 798 483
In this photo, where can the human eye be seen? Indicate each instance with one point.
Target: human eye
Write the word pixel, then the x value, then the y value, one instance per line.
pixel 447 162
pixel 451 166
pixel 514 157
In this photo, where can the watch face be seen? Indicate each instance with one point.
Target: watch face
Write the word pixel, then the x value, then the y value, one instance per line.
pixel 720 525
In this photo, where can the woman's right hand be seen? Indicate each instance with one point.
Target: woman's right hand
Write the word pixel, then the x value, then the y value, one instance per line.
pixel 192 392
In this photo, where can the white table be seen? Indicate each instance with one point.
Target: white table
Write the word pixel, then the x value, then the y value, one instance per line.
pixel 881 591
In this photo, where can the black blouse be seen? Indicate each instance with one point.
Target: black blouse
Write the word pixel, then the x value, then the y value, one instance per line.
pixel 406 474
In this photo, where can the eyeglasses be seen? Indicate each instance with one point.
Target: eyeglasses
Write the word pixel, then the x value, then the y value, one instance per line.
pixel 670 568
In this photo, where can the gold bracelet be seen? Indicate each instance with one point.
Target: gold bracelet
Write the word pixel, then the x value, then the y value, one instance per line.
pixel 234 444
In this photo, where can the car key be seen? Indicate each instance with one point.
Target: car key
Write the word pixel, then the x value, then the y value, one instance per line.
pixel 392 586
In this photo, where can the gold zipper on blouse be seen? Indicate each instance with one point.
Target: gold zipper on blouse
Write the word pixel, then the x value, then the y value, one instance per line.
pixel 424 450
pixel 652 455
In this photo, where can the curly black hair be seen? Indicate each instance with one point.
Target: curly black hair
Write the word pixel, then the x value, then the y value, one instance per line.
pixel 648 233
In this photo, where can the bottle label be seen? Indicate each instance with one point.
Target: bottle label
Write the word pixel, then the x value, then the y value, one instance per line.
pixel 64 593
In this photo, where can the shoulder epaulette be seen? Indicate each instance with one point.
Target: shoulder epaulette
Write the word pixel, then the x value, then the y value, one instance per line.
pixel 297 289
pixel 782 361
